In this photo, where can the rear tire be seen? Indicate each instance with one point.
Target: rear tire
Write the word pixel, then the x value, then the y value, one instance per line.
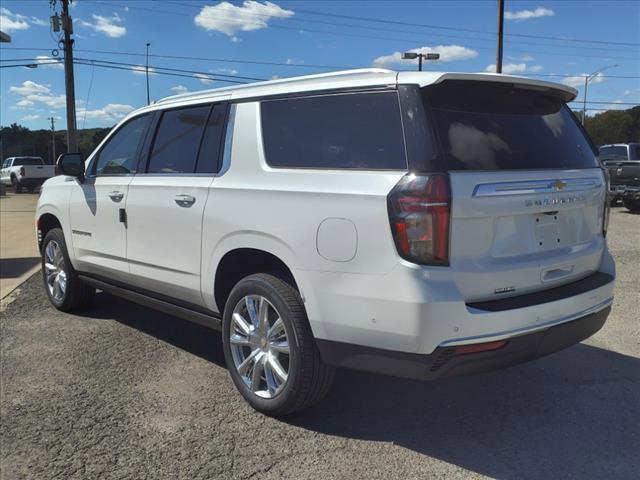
pixel 64 289
pixel 632 204
pixel 255 344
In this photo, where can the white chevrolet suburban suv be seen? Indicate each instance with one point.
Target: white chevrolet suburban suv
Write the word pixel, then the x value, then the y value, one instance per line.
pixel 413 224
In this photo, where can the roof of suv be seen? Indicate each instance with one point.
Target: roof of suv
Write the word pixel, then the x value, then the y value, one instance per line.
pixel 368 77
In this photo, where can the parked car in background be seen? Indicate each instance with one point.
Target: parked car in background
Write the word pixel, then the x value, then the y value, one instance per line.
pixel 25 173
pixel 622 161
pixel 416 224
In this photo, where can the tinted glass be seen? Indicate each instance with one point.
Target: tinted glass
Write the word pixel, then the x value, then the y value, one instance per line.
pixel 208 158
pixel 493 126
pixel 119 155
pixel 28 161
pixel 177 140
pixel 634 151
pixel 360 130
pixel 613 154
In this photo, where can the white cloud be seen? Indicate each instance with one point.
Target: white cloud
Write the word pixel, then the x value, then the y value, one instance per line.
pixel 110 26
pixel 142 70
pixel 32 92
pixel 12 22
pixel 205 79
pixel 24 103
pixel 529 14
pixel 448 53
pixel 230 19
pixel 29 88
pixel 30 118
pixel 230 71
pixel 50 62
pixel 110 112
pixel 578 80
pixel 633 91
pixel 508 68
pixel 179 89
pixel 535 68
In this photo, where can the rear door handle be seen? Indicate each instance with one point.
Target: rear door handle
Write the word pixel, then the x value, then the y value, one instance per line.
pixel 184 200
pixel 116 196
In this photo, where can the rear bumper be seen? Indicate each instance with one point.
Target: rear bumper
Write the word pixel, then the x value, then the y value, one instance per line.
pixel 446 361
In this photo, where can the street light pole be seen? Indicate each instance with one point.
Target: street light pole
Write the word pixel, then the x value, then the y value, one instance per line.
pixel 587 79
pixel 147 72
pixel 420 56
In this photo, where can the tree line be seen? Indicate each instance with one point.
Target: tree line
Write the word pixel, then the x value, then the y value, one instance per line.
pixel 612 126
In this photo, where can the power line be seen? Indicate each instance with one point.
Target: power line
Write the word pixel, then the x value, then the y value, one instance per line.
pixel 279 64
pixel 351 25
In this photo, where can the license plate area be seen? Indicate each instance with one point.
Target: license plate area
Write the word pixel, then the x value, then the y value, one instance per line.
pixel 552 231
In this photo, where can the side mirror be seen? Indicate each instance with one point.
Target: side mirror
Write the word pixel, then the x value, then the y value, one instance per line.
pixel 71 164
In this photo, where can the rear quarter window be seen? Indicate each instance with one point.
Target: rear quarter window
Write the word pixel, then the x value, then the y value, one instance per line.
pixel 341 131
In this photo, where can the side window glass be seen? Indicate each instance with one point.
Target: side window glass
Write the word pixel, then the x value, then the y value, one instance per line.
pixel 177 140
pixel 208 158
pixel 118 155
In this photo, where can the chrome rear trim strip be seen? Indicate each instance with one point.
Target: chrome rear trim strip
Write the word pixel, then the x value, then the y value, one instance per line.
pixel 536 186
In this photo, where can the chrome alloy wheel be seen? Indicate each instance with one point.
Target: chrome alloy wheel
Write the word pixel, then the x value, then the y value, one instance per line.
pixel 55 275
pixel 259 346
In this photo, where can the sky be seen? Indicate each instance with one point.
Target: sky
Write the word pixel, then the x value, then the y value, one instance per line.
pixel 293 38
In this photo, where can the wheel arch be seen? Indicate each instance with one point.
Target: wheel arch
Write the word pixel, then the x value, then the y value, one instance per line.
pixel 241 262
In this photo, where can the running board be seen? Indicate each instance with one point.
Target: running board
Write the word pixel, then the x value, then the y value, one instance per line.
pixel 207 320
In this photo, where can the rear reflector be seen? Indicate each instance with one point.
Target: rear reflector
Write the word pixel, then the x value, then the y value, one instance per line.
pixel 480 347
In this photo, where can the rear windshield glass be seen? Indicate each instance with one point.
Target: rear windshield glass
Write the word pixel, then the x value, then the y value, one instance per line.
pixel 494 126
pixel 27 161
pixel 613 154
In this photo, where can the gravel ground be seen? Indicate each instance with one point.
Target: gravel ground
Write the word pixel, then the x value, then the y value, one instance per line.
pixel 125 392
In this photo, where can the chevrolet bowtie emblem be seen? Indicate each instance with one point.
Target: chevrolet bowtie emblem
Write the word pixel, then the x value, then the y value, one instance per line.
pixel 559 185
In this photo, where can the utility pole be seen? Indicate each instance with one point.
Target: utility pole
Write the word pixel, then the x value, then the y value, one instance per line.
pixel 70 89
pixel 147 72
pixel 500 35
pixel 53 139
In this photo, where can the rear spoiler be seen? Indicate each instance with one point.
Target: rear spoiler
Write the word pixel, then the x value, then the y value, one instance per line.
pixel 431 78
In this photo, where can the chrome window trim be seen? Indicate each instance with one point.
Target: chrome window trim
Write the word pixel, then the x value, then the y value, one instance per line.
pixel 537 186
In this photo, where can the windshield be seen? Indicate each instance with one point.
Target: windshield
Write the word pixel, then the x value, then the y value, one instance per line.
pixel 495 126
pixel 28 161
pixel 613 155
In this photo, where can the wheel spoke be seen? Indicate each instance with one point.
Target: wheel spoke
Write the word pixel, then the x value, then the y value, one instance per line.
pixel 240 340
pixel 241 322
pixel 50 268
pixel 247 362
pixel 276 330
pixel 256 374
pixel 57 291
pixel 263 315
pixel 251 310
pixel 277 369
pixel 281 347
pixel 49 252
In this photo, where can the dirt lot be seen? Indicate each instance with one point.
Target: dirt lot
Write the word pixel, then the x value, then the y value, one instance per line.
pixel 125 392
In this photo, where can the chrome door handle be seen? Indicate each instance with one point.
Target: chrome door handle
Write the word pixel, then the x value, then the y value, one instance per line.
pixel 116 196
pixel 184 200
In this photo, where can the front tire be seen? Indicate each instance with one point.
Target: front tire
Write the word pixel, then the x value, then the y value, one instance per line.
pixel 64 289
pixel 269 348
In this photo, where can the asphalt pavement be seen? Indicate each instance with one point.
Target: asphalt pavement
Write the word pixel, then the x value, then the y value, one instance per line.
pixel 120 391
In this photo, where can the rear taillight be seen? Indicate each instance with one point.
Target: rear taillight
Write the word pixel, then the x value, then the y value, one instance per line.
pixel 607 204
pixel 22 172
pixel 419 213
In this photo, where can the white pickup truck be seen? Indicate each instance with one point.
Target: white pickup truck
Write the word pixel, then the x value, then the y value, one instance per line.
pixel 25 172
